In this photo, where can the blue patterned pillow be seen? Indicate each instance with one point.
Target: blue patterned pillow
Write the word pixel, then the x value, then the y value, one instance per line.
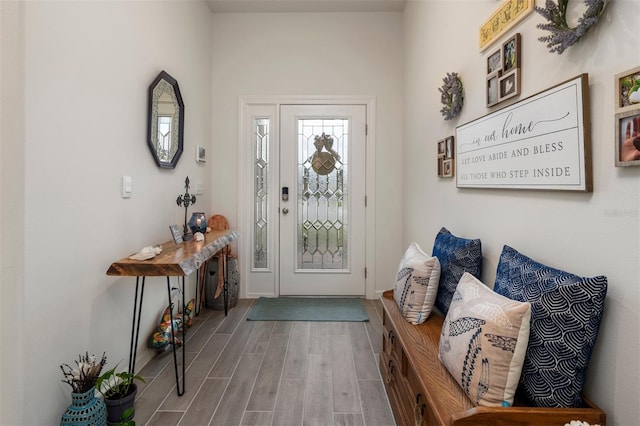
pixel 565 316
pixel 457 256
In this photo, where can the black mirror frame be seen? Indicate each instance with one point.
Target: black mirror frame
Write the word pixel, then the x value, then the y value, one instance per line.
pixel 152 147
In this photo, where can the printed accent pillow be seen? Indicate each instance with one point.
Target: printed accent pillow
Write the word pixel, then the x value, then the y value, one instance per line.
pixel 457 256
pixel 566 311
pixel 416 284
pixel 484 341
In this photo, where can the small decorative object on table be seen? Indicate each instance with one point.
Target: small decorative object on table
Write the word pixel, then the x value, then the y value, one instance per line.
pixel 562 36
pixel 86 408
pixel 198 222
pixel 186 200
pixel 451 95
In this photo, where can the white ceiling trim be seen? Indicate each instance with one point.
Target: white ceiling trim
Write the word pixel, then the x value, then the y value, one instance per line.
pixel 283 6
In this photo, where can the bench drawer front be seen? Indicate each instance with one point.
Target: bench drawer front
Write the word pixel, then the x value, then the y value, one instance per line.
pixel 395 386
pixel 391 343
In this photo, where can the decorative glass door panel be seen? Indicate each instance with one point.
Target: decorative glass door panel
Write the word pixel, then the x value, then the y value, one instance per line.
pixel 322 172
pixel 323 162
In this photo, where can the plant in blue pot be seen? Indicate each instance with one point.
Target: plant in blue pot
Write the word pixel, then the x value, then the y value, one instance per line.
pixel 86 409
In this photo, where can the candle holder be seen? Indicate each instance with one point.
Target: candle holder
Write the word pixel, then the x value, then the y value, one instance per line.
pixel 186 200
pixel 198 222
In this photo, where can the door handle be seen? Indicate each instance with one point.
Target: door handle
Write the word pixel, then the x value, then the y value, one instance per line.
pixel 285 210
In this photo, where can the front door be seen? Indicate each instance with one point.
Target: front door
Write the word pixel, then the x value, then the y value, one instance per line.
pixel 322 200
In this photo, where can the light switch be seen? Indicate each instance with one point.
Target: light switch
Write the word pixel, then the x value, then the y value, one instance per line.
pixel 127 186
pixel 198 188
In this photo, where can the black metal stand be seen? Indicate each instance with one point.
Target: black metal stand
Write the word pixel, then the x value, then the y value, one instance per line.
pixel 137 312
pixel 135 326
pixel 173 339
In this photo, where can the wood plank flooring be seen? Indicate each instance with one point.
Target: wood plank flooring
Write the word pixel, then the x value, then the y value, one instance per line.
pixel 266 373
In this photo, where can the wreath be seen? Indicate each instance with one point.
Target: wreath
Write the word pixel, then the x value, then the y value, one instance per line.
pixel 562 36
pixel 451 96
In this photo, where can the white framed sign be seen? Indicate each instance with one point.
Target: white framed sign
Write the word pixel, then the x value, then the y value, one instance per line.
pixel 542 142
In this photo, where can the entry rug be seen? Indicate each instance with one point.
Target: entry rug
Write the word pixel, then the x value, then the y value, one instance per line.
pixel 307 309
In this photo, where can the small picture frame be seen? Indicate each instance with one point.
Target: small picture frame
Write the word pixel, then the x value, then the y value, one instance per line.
pixel 511 54
pixel 176 234
pixel 201 154
pixel 493 92
pixel 449 148
pixel 509 85
pixel 447 168
pixel 494 62
pixel 627 86
pixel 441 148
pixel 628 138
pixel 440 166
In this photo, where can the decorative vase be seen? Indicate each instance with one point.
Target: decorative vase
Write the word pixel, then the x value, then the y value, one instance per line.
pixel 117 408
pixel 85 410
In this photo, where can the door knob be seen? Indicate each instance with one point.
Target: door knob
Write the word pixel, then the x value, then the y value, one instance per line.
pixel 285 210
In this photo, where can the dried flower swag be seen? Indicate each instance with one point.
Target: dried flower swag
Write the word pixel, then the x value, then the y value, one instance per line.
pixel 562 36
pixel 451 96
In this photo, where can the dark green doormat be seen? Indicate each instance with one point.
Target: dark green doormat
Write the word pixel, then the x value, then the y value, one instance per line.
pixel 307 309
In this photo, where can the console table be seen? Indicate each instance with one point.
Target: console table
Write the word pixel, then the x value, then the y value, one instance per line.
pixel 174 261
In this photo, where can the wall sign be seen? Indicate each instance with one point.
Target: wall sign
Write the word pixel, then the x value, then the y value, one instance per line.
pixel 542 142
pixel 503 19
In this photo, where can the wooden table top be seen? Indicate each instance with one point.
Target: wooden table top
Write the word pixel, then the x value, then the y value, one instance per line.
pixel 175 260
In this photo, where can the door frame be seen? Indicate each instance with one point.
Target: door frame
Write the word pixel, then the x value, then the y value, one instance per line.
pixel 245 186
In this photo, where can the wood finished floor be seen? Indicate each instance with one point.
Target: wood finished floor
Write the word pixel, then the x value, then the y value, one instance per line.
pixel 270 373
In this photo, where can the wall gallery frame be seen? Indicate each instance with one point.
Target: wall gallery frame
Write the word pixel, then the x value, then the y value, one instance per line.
pixel 628 138
pixel 627 90
pixel 503 72
pixel 446 157
pixel 542 142
pixel 627 118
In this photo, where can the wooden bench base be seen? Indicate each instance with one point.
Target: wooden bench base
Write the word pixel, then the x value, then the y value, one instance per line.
pixel 422 392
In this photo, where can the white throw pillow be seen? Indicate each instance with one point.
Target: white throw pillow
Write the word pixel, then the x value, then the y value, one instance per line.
pixel 416 284
pixel 483 342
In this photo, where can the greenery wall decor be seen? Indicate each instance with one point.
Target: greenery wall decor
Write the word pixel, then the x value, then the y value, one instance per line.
pixel 451 96
pixel 562 35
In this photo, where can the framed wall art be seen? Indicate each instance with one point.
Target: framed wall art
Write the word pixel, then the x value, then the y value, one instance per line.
pixel 446 148
pixel 628 138
pixel 510 13
pixel 542 142
pixel 628 90
pixel 503 72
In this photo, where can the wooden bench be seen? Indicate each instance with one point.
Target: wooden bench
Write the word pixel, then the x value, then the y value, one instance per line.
pixel 422 392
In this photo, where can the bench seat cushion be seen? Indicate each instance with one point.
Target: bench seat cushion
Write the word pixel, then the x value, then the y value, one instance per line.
pixel 416 284
pixel 483 343
pixel 566 311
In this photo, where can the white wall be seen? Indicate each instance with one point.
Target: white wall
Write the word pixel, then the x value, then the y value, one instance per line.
pixel 313 54
pixel 587 234
pixel 11 210
pixel 87 67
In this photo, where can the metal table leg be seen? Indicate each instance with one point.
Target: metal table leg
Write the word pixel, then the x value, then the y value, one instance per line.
pixel 135 325
pixel 173 340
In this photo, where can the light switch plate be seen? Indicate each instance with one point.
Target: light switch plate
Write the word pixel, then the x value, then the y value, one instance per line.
pixel 127 187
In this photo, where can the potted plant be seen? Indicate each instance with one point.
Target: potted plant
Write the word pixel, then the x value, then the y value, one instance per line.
pixel 119 392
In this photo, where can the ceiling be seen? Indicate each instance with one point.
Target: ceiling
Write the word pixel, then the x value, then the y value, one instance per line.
pixel 248 6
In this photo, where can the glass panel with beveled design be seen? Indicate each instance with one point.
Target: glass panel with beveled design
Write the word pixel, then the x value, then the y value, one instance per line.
pixel 260 186
pixel 322 194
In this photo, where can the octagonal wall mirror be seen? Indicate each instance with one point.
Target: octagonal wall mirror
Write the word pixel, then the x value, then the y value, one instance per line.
pixel 166 121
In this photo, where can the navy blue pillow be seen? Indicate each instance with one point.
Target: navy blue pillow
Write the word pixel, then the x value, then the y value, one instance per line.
pixel 566 311
pixel 457 256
